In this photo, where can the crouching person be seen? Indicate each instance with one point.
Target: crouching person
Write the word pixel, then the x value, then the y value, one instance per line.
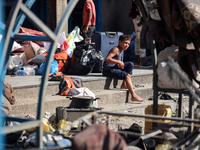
pixel 113 66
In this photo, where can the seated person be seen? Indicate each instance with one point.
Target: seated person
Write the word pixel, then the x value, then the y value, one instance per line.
pixel 113 66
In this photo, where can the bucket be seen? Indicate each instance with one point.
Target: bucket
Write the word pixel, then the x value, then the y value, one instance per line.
pixel 163 110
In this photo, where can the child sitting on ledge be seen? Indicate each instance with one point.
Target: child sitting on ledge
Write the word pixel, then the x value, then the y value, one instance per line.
pixel 113 66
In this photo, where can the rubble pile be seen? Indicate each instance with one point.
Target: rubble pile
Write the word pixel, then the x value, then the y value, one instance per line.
pixel 28 57
pixel 83 128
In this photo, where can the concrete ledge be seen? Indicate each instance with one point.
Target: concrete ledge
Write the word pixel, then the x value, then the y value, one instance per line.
pixel 26 91
pixel 29 106
pixel 107 97
pixel 29 87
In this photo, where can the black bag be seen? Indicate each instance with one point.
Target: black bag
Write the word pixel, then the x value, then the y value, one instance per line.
pixel 85 59
pixel 98 68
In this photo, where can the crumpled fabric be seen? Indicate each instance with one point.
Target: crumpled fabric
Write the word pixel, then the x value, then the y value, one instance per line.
pixel 49 140
pixel 62 43
pixel 74 36
pixel 8 93
pixel 5 106
pixel 167 78
pixel 7 99
pixel 190 10
pixel 81 92
pixel 66 83
pixel 98 137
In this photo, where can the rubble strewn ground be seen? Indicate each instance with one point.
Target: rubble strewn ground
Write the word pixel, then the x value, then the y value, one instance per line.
pixel 138 108
pixel 117 123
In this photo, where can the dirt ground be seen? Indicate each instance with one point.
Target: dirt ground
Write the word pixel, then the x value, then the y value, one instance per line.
pixel 116 122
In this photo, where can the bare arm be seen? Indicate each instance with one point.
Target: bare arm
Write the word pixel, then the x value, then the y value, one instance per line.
pixel 109 59
pixel 88 21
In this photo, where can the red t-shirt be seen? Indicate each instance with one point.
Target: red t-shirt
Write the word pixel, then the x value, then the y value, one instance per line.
pixel 89 4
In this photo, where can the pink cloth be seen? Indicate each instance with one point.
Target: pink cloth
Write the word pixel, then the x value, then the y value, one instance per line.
pixel 98 137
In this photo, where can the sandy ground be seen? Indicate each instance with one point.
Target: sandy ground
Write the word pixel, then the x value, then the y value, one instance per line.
pixel 116 122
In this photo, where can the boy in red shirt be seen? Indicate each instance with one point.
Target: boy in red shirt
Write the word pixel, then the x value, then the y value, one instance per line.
pixel 89 18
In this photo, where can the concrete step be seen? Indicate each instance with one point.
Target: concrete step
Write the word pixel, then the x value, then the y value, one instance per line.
pixel 29 86
pixel 26 91
pixel 106 97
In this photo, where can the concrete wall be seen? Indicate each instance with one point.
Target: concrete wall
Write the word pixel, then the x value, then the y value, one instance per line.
pixel 56 9
pixel 115 16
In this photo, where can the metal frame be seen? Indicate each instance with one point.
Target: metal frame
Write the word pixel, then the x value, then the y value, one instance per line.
pixel 156 89
pixel 95 114
pixel 10 35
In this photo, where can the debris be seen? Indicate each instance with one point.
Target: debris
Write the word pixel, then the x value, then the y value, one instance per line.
pixel 47 115
pixel 49 140
pixel 98 137
pixel 163 147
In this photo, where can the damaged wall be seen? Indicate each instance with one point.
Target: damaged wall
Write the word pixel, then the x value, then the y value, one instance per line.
pixel 55 13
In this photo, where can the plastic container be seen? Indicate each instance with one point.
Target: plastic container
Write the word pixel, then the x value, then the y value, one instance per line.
pixel 29 70
pixel 163 110
pixel 46 126
pixel 20 72
pixel 25 72
pixel 14 61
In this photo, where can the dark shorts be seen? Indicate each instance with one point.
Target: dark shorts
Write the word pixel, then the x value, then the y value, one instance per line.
pixel 90 32
pixel 115 72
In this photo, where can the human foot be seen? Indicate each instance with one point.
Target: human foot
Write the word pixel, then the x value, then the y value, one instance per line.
pixel 137 98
